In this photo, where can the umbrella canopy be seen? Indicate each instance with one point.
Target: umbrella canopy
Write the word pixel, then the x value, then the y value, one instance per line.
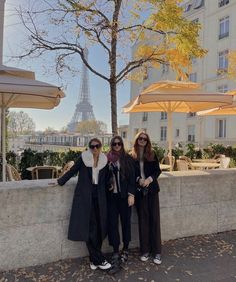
pixel 175 96
pixel 16 72
pixel 19 89
pixel 222 110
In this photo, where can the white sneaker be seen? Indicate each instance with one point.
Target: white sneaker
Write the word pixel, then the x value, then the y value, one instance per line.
pixel 93 266
pixel 157 259
pixel 104 265
pixel 144 257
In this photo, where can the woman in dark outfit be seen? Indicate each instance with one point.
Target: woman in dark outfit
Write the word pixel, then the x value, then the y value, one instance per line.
pixel 147 197
pixel 88 221
pixel 120 200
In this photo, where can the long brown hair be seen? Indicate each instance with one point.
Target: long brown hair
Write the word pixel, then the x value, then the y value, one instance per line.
pixel 148 154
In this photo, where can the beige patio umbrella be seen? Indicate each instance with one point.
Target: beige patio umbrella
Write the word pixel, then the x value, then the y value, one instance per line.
pixel 222 110
pixel 175 96
pixel 19 89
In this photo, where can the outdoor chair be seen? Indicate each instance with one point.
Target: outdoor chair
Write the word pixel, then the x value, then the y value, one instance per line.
pixel 44 172
pixel 187 159
pixel 66 167
pixel 182 165
pixel 224 162
pixel 166 160
pixel 12 173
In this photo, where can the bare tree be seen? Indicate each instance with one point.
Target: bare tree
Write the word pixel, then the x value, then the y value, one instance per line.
pixel 157 29
pixel 19 123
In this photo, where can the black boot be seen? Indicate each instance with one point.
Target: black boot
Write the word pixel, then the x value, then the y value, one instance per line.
pixel 115 264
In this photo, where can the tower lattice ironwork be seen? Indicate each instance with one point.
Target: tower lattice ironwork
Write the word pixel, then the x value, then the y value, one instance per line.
pixel 84 108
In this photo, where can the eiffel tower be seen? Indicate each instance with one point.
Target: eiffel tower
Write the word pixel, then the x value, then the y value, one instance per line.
pixel 84 109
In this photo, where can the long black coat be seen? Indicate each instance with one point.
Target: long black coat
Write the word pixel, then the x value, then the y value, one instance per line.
pixel 82 201
pixel 151 168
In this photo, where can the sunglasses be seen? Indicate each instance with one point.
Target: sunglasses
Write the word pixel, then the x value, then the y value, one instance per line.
pixel 95 146
pixel 116 144
pixel 142 139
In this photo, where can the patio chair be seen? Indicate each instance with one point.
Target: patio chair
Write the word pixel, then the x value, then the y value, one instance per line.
pixel 166 160
pixel 187 159
pixel 12 173
pixel 182 165
pixel 44 172
pixel 224 162
pixel 66 167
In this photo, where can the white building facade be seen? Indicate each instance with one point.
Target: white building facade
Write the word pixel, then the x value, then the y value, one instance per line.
pixel 218 36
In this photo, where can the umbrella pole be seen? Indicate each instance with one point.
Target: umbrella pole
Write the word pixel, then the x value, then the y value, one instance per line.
pixel 169 128
pixel 3 128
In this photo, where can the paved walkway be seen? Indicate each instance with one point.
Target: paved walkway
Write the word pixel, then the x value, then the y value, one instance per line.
pixel 205 258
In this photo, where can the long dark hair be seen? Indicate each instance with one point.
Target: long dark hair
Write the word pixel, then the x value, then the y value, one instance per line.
pixel 124 158
pixel 148 154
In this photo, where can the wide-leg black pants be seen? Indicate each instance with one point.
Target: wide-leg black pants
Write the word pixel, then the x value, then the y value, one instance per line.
pixel 118 209
pixel 94 243
pixel 149 222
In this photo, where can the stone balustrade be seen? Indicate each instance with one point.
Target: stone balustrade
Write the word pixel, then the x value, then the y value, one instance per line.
pixel 34 216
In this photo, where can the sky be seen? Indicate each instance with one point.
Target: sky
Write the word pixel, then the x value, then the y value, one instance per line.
pixel 14 38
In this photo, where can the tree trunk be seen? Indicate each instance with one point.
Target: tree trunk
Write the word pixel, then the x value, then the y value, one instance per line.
pixel 113 108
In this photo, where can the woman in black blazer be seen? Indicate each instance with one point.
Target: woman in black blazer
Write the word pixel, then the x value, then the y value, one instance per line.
pixel 120 199
pixel 147 197
pixel 88 220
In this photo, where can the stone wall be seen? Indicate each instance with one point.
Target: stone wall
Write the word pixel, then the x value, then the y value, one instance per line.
pixel 34 216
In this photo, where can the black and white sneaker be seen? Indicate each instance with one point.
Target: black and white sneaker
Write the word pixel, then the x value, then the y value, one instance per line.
pixel 145 257
pixel 124 255
pixel 103 266
pixel 157 259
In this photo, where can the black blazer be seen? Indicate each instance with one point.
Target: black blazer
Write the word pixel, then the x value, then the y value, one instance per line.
pixel 127 184
pixel 151 168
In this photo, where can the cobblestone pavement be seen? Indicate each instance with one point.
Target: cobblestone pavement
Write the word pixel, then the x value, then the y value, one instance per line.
pixel 205 258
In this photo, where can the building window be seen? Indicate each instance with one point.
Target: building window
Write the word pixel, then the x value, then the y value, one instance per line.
pixel 193 77
pixel 123 134
pixel 222 88
pixel 223 62
pixel 177 133
pixel 145 117
pixel 145 73
pixel 163 115
pixel 163 133
pixel 224 27
pixel 165 68
pixel 222 3
pixel 191 133
pixel 189 115
pixel 221 128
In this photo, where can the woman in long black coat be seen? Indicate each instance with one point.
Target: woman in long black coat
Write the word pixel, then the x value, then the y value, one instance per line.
pixel 120 199
pixel 147 197
pixel 88 220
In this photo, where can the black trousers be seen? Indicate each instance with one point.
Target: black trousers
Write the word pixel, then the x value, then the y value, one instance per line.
pixel 149 222
pixel 94 243
pixel 118 209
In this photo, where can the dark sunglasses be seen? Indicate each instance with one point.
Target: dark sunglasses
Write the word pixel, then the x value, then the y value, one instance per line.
pixel 116 144
pixel 95 146
pixel 142 139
